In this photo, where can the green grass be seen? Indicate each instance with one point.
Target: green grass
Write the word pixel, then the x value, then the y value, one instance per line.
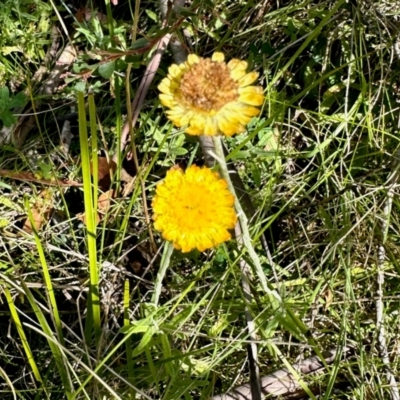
pixel 80 317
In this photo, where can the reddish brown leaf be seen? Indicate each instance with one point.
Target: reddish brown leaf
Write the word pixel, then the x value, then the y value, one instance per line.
pixel 82 217
pixel 104 201
pixel 41 211
pixel 26 176
pixel 105 169
pixel 103 205
pixel 85 13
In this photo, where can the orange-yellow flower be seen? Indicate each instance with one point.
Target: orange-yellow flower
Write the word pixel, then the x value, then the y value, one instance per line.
pixel 209 96
pixel 194 209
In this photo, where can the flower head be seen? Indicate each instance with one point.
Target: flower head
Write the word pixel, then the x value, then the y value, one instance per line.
pixel 194 208
pixel 210 96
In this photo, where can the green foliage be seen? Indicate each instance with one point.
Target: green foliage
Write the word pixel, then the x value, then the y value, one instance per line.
pixel 8 103
pixel 25 28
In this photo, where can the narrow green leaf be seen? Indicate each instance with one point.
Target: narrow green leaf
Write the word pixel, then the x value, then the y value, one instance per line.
pixel 21 333
pixel 93 320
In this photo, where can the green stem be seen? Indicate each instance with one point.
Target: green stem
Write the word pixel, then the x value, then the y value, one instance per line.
pixel 166 258
pixel 273 294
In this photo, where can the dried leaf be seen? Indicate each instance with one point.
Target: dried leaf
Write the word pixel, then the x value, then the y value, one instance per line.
pixel 85 13
pixel 103 205
pixel 328 298
pixel 105 169
pixel 26 176
pixel 82 217
pixel 41 211
pixel 104 201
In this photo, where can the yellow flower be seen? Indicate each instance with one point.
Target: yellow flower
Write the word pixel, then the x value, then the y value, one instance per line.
pixel 209 96
pixel 194 208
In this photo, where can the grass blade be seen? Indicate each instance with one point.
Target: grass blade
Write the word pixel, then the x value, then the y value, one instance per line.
pixel 93 316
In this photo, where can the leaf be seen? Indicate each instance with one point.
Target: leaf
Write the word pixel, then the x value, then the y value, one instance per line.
pixel 41 211
pixel 135 60
pixel 328 298
pixel 5 201
pixel 115 50
pixel 140 326
pixel 242 155
pixel 8 118
pixel 145 341
pixel 103 205
pixel 104 201
pixel 6 50
pixel 255 170
pixel 4 97
pixel 106 70
pixel 80 86
pixel 30 177
pixel 82 217
pixel 185 12
pixel 152 15
pixel 18 100
pixel 104 171
pixel 178 151
pixel 142 42
pixel 89 14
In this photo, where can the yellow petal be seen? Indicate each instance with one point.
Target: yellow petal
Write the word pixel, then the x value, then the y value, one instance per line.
pixel 250 111
pixel 251 89
pixel 176 121
pixel 240 110
pixel 228 127
pixel 177 116
pixel 193 59
pixel 196 125
pixel 236 64
pixel 164 86
pixel 185 119
pixel 237 74
pixel 167 100
pixel 192 130
pixel 176 112
pixel 206 243
pixel 254 99
pixel 210 127
pixel 248 79
pixel 174 71
pixel 238 69
pixel 235 113
pixel 218 57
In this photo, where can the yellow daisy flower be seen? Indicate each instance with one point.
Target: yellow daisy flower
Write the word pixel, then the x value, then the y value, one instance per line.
pixel 209 96
pixel 194 209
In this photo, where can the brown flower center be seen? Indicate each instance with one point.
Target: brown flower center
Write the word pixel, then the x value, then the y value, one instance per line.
pixel 208 86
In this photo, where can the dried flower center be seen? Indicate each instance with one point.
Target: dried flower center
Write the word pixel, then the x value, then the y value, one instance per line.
pixel 208 86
